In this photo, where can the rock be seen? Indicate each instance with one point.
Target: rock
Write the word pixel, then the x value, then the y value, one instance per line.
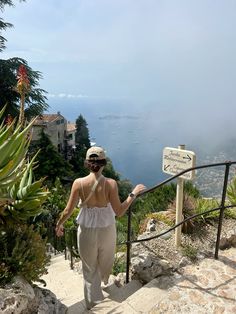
pixel 166 236
pixel 120 280
pixel 120 255
pixel 232 240
pixel 151 225
pixel 200 256
pixel 78 267
pixel 48 303
pixel 164 264
pixel 184 262
pixel 146 267
pixel 224 244
pixel 16 298
pixel 20 297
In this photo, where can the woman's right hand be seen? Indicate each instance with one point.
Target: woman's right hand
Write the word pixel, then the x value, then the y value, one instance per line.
pixel 59 230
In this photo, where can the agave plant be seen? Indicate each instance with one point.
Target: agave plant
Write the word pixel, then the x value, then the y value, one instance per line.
pixel 13 148
pixel 20 197
pixel 189 206
pixel 26 195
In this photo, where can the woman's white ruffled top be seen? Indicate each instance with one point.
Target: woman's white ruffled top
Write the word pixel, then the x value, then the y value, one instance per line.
pixel 96 217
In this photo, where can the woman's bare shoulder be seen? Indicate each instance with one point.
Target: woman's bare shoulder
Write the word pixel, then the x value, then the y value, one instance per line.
pixel 76 182
pixel 111 182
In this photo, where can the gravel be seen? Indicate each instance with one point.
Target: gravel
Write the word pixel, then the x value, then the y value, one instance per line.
pixel 201 243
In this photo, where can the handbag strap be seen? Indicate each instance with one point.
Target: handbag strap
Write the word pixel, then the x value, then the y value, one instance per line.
pixel 92 190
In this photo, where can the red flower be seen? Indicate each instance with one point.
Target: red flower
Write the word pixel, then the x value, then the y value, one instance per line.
pixel 23 83
pixel 8 119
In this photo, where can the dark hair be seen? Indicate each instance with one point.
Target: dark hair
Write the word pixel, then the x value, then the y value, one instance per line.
pixel 94 165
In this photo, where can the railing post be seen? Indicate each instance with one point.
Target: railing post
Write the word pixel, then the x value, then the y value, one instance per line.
pixel 65 249
pixel 55 242
pixel 221 216
pixel 71 257
pixel 128 245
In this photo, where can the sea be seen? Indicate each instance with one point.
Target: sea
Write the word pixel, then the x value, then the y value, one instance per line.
pixel 134 135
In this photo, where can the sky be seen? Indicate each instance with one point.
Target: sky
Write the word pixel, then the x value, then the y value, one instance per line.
pixel 171 61
pixel 154 51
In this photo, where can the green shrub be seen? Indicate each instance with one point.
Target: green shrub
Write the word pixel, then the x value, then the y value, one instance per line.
pixel 71 233
pixel 230 213
pixel 190 252
pixel 22 252
pixel 231 191
pixel 205 204
pixel 119 266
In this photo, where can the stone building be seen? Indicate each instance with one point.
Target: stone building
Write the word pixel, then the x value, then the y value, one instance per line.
pixel 61 132
pixel 70 129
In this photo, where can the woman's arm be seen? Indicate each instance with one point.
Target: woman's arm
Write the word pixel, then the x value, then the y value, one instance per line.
pixel 71 204
pixel 118 207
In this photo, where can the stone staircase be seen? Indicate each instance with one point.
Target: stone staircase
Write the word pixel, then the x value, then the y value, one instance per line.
pixel 207 287
pixel 67 285
pixel 142 300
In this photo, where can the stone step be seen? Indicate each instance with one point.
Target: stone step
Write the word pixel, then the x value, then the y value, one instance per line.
pixel 142 300
pixel 116 296
pixel 205 287
pixel 122 293
pixel 66 284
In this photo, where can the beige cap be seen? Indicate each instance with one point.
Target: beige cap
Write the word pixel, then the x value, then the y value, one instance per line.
pixel 95 153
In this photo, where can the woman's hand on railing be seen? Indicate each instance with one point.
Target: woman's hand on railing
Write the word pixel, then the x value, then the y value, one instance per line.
pixel 139 188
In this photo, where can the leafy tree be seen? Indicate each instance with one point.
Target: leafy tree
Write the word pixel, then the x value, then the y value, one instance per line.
pixel 125 187
pixel 4 25
pixel 35 99
pixel 82 143
pixel 110 172
pixel 51 162
pixel 82 140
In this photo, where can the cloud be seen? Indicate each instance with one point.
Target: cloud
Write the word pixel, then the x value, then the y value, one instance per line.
pixel 69 96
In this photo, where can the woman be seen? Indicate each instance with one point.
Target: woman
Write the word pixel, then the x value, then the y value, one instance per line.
pixel 99 204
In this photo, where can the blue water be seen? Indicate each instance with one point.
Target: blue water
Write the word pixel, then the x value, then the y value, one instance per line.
pixel 134 135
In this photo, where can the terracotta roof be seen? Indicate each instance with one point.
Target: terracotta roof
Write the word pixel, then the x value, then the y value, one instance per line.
pixel 71 127
pixel 46 118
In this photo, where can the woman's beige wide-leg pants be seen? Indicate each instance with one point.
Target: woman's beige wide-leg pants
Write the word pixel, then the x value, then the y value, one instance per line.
pixel 97 250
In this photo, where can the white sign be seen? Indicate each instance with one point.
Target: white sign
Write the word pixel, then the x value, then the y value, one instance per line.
pixel 176 160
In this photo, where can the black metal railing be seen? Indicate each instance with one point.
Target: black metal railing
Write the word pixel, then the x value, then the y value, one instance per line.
pixel 222 207
pixel 70 232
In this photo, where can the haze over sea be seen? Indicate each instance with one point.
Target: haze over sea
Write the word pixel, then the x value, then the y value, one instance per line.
pixel 144 74
pixel 134 134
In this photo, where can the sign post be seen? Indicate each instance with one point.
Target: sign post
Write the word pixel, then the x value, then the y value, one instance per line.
pixel 176 160
pixel 179 206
